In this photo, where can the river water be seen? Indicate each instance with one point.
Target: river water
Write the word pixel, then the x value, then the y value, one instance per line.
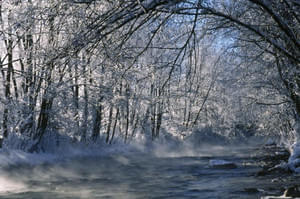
pixel 142 175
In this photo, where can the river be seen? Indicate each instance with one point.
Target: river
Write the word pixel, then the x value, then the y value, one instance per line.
pixel 142 175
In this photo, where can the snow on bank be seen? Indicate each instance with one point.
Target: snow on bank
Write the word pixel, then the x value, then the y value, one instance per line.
pixel 166 145
pixel 11 154
pixel 294 159
pixel 14 157
pixel 58 147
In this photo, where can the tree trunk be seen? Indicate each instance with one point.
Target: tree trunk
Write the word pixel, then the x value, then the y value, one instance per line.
pixel 75 93
pixel 28 85
pixel 115 125
pixel 84 127
pixel 127 112
pixel 153 111
pixel 85 113
pixel 135 126
pixel 109 124
pixel 9 47
pixel 97 121
pixel 42 123
pixel 47 99
pixel 43 118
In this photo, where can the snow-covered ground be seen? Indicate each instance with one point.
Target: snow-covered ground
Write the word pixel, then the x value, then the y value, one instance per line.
pixel 13 157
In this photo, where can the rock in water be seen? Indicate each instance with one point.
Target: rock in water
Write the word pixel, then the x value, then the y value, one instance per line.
pixel 252 190
pixel 292 192
pixel 222 164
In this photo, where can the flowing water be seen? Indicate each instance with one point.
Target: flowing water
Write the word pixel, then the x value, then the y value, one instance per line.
pixel 140 175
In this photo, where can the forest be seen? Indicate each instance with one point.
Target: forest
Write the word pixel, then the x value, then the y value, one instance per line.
pixel 108 72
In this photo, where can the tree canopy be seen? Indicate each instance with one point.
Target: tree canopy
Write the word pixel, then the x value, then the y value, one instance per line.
pixel 128 68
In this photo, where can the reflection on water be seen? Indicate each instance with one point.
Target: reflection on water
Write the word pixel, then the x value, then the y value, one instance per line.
pixel 137 176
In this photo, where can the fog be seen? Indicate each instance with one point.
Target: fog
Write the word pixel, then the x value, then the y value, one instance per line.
pixel 8 185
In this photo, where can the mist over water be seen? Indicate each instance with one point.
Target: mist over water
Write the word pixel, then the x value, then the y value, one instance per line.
pixel 8 185
pixel 163 173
